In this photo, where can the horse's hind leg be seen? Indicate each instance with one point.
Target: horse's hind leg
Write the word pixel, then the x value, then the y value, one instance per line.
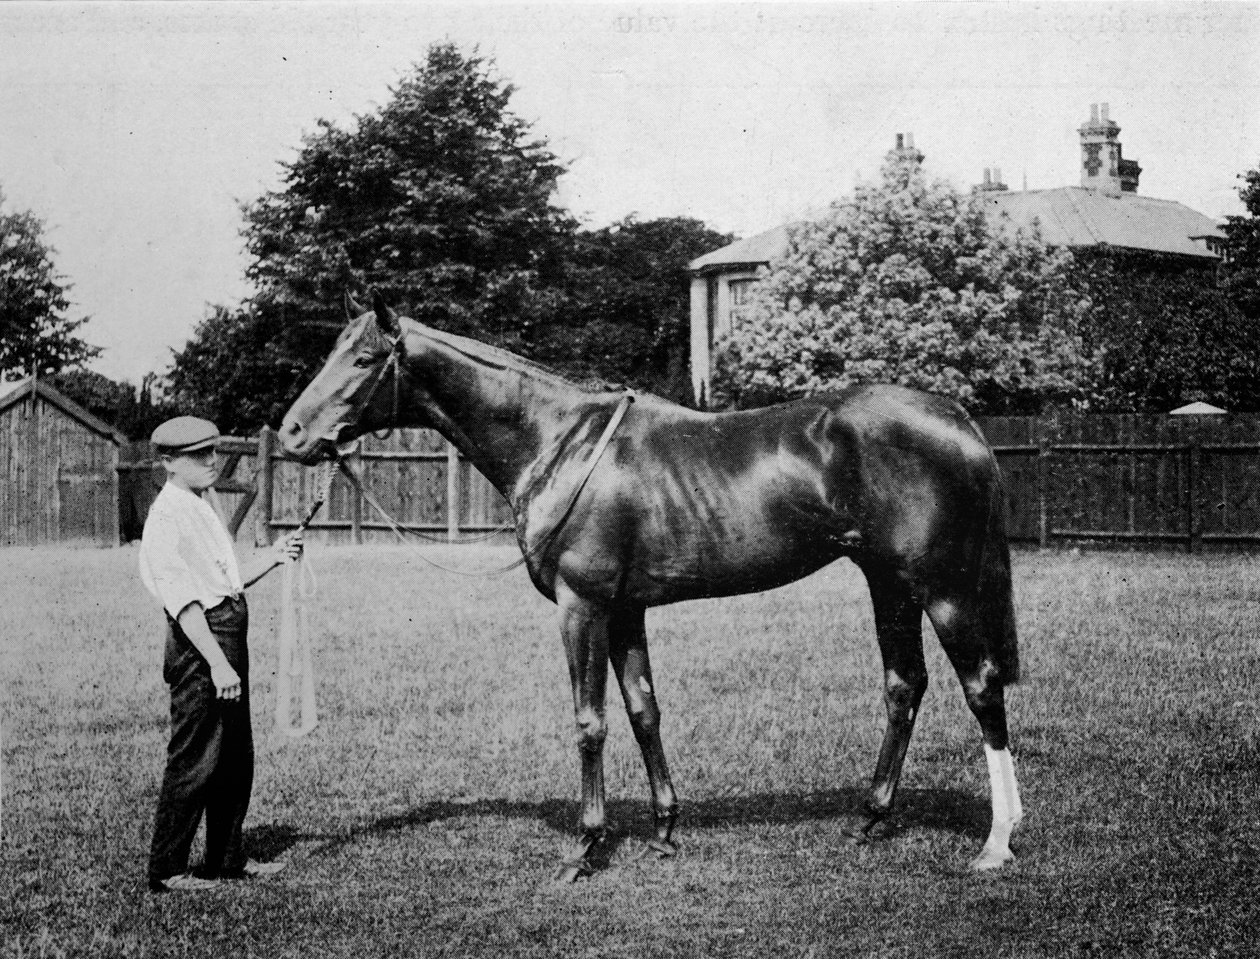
pixel 899 629
pixel 963 632
pixel 584 628
pixel 627 649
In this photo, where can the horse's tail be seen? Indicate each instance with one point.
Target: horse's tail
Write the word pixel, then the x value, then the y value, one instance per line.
pixel 997 606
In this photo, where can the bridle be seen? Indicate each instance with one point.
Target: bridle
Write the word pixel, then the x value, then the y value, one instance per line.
pixel 391 364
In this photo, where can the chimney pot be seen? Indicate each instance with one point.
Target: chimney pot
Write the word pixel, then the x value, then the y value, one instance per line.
pixel 997 175
pixel 1104 112
pixel 900 143
pixel 987 181
pixel 1093 113
pixel 910 140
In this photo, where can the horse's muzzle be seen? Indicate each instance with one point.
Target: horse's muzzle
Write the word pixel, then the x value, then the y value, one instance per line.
pixel 298 444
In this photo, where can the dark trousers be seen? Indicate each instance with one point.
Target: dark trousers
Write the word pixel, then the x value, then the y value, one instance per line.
pixel 210 758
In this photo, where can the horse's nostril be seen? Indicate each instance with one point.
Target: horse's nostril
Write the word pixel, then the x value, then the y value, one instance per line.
pixel 291 430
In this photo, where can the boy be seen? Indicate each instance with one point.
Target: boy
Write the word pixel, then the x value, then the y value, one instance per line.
pixel 188 564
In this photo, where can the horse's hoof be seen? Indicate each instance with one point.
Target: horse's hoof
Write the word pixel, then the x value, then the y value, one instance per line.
pixel 870 830
pixel 663 848
pixel 990 859
pixel 570 872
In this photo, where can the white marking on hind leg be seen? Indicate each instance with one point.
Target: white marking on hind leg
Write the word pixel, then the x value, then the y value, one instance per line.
pixel 1007 809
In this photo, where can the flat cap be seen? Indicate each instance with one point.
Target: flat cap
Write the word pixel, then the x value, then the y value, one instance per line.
pixel 185 434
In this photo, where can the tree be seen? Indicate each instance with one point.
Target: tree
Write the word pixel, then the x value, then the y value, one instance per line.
pixel 133 412
pixel 35 334
pixel 1166 334
pixel 908 283
pixel 626 318
pixel 440 199
pixel 242 367
pixel 1242 250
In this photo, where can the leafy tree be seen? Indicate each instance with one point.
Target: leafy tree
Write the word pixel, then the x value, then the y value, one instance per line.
pixel 133 412
pixel 1242 250
pixel 242 367
pixel 627 313
pixel 441 199
pixel 35 334
pixel 1166 334
pixel 907 283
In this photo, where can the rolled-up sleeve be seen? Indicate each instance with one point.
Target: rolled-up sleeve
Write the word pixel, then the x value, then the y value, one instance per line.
pixel 169 576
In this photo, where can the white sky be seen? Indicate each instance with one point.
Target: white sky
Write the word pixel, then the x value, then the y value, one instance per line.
pixel 136 130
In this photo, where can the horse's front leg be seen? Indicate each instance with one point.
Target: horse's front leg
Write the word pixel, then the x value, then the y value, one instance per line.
pixel 629 655
pixel 584 629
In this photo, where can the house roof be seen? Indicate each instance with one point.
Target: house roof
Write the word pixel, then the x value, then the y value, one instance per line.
pixel 21 391
pixel 753 251
pixel 1076 216
pixel 1068 216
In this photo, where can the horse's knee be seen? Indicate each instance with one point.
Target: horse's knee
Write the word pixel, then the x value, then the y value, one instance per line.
pixel 645 720
pixel 903 693
pixel 592 730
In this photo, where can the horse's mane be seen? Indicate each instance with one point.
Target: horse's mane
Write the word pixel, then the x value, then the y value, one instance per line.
pixel 501 359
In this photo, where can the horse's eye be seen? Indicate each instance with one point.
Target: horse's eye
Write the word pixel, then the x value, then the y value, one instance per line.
pixel 363 361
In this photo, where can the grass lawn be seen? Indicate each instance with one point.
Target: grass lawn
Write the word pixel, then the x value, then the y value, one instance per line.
pixel 426 813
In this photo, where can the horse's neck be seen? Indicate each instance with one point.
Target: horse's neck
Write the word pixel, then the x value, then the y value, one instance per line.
pixel 499 417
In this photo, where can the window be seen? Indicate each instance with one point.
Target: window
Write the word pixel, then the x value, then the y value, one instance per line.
pixel 740 291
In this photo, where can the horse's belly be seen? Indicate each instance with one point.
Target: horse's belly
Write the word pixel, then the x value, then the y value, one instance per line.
pixel 740 558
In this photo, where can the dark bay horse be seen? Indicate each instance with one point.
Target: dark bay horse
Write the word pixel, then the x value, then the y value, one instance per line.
pixel 681 505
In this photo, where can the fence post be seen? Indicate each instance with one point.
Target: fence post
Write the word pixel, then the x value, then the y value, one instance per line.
pixel 356 500
pixel 1192 496
pixel 1043 482
pixel 262 518
pixel 452 492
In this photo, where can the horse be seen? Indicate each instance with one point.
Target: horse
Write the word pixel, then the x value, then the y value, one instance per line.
pixel 625 501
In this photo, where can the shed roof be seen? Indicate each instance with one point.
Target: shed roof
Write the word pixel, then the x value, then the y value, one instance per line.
pixel 1197 408
pixel 21 391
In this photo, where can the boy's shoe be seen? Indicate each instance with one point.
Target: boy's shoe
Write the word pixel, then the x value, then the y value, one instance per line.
pixel 186 882
pixel 258 870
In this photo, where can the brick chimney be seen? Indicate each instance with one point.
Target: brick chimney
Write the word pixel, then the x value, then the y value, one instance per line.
pixel 1103 167
pixel 992 182
pixel 905 148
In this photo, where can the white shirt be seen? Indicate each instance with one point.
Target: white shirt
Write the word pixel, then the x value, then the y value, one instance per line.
pixel 186 554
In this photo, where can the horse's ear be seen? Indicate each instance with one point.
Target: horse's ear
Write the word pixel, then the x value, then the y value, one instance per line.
pixel 353 309
pixel 386 318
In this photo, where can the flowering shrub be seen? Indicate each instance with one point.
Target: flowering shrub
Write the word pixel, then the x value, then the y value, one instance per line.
pixel 907 283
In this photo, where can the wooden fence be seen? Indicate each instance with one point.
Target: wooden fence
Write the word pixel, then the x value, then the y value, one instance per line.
pixel 1184 482
pixel 416 476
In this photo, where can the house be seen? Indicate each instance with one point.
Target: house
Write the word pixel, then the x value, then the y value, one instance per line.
pixel 60 468
pixel 1105 212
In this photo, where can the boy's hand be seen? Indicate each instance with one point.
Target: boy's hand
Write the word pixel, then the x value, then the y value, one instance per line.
pixel 288 549
pixel 227 684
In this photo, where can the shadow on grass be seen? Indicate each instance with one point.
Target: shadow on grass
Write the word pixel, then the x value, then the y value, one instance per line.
pixel 940 810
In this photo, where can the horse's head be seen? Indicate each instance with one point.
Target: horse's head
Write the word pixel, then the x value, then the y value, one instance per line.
pixel 357 389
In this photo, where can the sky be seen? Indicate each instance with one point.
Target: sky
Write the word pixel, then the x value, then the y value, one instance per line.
pixel 135 131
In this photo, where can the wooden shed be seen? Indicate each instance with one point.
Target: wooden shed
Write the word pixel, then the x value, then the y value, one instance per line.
pixel 60 467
